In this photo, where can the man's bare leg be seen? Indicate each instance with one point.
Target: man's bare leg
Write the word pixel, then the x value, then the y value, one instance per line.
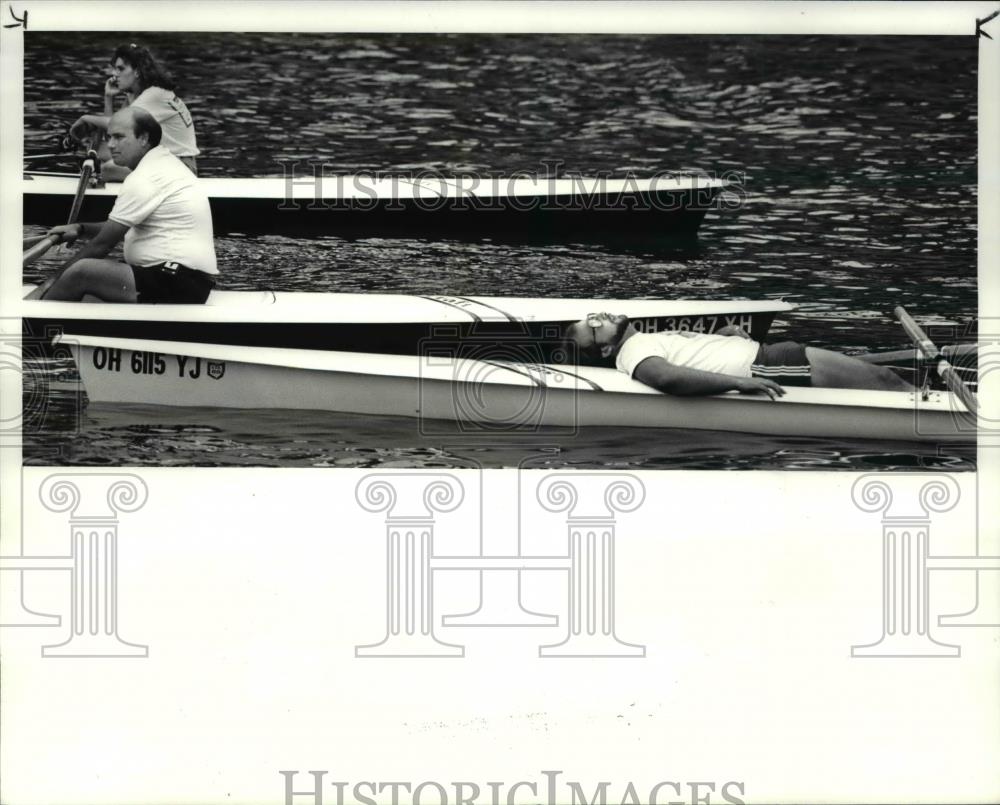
pixel 107 280
pixel 833 370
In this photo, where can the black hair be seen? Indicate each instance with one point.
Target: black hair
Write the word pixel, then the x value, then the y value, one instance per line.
pixel 589 355
pixel 144 123
pixel 150 73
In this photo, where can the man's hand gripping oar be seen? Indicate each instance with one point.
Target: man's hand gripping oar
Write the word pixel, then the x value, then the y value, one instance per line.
pixel 931 353
pixel 50 240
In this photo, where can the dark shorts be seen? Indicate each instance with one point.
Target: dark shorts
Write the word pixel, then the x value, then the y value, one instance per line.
pixel 171 283
pixel 785 363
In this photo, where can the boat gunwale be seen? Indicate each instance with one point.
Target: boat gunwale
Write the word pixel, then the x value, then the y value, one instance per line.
pixel 423 188
pixel 347 308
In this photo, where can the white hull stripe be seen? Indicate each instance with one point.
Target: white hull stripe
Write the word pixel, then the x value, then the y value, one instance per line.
pixel 537 373
pixel 453 305
pixel 795 371
pixel 491 307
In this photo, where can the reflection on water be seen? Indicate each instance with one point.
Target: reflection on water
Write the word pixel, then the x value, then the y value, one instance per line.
pixel 158 436
pixel 859 156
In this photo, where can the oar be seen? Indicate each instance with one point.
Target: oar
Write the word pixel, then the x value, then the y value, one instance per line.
pixel 30 157
pixel 931 352
pixel 39 249
pixel 86 171
pixel 32 241
pixel 48 241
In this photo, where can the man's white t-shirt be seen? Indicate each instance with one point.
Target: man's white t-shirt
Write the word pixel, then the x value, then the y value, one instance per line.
pixel 725 354
pixel 174 119
pixel 168 214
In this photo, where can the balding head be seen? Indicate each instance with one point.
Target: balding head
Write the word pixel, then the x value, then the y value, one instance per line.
pixel 142 123
pixel 131 133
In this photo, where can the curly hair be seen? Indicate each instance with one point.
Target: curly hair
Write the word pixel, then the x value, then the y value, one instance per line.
pixel 149 72
pixel 584 355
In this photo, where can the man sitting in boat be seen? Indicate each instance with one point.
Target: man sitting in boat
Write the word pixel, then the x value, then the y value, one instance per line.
pixel 164 217
pixel 690 364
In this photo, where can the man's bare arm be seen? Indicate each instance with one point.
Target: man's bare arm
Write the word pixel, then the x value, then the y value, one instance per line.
pixel 733 329
pixel 684 382
pixel 103 238
pixel 88 124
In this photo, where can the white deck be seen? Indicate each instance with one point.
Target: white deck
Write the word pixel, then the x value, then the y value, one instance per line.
pixel 269 306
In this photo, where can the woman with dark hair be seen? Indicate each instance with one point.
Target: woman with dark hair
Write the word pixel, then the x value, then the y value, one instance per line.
pixel 145 84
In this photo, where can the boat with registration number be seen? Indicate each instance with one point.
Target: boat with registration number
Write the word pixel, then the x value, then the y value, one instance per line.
pixel 494 394
pixel 383 323
pixel 368 204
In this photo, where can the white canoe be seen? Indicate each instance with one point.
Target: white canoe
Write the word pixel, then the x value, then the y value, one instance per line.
pixel 385 323
pixel 463 205
pixel 496 395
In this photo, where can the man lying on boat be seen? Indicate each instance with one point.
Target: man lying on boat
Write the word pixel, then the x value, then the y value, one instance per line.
pixel 689 364
pixel 164 217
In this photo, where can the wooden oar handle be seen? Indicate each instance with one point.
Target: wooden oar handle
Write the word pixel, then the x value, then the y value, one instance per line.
pixel 89 165
pixel 29 242
pixel 39 249
pixel 944 369
pixel 924 344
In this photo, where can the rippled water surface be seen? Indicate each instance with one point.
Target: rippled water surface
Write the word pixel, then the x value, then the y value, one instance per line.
pixel 859 157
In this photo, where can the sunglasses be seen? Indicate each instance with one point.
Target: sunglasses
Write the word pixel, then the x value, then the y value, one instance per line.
pixel 594 321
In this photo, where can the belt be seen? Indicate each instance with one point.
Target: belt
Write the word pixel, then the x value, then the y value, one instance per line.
pixel 171 267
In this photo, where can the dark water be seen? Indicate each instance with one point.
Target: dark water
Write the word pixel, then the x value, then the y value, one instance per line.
pixel 859 157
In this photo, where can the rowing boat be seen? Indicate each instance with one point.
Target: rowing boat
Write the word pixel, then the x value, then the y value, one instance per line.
pixel 382 323
pixel 525 207
pixel 494 394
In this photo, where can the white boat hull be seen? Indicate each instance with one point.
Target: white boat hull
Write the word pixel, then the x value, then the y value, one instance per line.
pixel 524 207
pixel 492 396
